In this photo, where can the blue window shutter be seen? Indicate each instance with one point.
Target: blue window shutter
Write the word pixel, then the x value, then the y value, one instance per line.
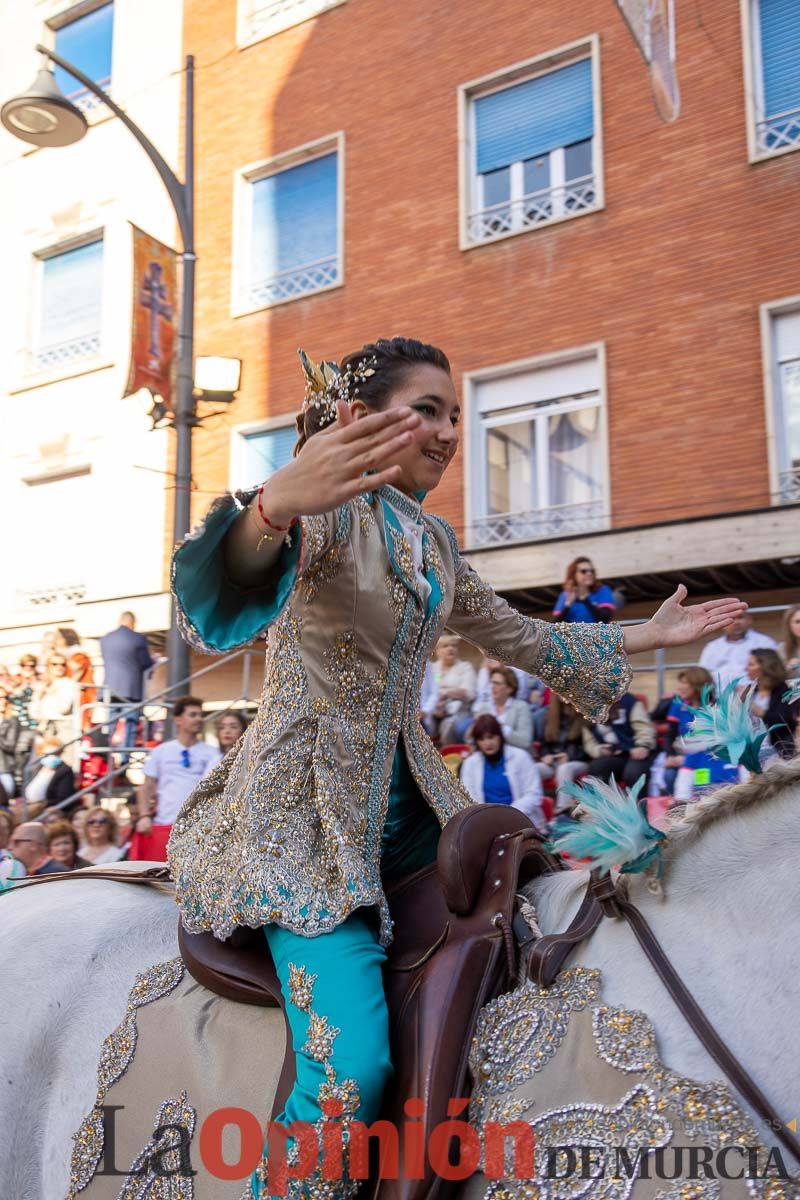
pixel 86 42
pixel 294 217
pixel 780 54
pixel 265 453
pixel 72 294
pixel 535 117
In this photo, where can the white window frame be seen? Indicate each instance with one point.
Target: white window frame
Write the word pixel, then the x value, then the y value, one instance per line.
pixel 753 84
pixel 475 482
pixel 69 367
pixel 239 434
pixel 250 29
pixel 93 109
pixel 243 210
pixel 776 449
pixel 470 182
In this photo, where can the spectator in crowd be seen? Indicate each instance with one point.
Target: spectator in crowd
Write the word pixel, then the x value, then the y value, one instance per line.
pixel 513 716
pixel 428 698
pixel 172 771
pixel 99 843
pixel 483 688
pixel 584 597
pixel 726 656
pixel 79 668
pixel 126 660
pixel 24 690
pixel 52 779
pixel 10 867
pixel 790 646
pixel 229 728
pixel 54 705
pixel 562 753
pixel 62 844
pixel 455 691
pixel 501 774
pixel 624 747
pixel 10 732
pixel 77 819
pixel 684 771
pixel 767 671
pixel 28 843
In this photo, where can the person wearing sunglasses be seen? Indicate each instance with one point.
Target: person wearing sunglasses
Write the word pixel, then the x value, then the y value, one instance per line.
pixel 583 597
pixel 172 772
pixel 28 844
pixel 100 838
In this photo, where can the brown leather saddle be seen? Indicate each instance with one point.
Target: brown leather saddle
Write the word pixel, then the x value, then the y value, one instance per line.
pixel 454 950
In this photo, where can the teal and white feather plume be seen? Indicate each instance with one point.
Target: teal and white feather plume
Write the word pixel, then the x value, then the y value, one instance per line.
pixel 613 830
pixel 793 693
pixel 726 727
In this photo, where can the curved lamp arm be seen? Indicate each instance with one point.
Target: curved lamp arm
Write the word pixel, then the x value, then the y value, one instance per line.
pixel 176 189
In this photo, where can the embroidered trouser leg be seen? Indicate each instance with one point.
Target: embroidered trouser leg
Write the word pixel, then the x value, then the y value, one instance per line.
pixel 333 988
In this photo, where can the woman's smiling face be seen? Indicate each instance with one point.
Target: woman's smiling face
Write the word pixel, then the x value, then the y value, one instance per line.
pixel 428 391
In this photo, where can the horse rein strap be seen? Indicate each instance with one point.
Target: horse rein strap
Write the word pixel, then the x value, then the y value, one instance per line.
pixel 611 901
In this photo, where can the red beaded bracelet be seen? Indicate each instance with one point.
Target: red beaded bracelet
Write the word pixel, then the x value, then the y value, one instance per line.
pixel 265 518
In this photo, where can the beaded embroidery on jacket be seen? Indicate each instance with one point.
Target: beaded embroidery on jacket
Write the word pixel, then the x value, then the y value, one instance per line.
pixel 287 828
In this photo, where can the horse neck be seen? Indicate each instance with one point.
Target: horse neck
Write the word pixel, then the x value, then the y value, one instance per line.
pixel 756 843
pixel 746 855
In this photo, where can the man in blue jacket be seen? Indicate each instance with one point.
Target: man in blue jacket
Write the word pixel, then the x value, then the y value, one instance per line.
pixel 126 657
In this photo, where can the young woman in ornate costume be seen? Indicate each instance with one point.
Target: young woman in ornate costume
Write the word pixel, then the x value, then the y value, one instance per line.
pixel 336 786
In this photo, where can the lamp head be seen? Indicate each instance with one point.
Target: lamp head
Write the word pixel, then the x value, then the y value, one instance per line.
pixel 217 379
pixel 42 115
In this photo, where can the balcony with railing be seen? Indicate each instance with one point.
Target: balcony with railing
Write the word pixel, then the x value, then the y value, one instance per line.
pixel 789 486
pixel 294 282
pixel 535 208
pixel 779 132
pixel 503 529
pixel 71 350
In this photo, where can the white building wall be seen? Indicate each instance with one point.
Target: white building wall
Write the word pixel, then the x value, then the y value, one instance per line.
pixel 92 536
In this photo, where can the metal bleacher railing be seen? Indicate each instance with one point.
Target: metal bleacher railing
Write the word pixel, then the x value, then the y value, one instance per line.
pixel 161 701
pixel 659 667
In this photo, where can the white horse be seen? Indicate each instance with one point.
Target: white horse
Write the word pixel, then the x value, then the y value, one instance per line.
pixel 727 919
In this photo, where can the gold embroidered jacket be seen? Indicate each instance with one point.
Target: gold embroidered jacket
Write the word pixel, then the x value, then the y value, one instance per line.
pixel 287 828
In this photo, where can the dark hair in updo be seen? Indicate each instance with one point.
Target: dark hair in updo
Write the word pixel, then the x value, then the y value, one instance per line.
pixel 394 359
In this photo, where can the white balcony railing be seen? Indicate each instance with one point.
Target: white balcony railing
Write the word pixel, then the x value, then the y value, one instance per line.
pixel 780 131
pixel 285 285
pixel 789 486
pixel 513 216
pixel 87 101
pixel 86 345
pixel 502 529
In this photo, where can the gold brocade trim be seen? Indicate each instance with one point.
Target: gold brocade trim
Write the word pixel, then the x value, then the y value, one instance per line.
pixel 320 1037
pixel 521 1032
pixel 115 1058
pixel 518 1033
pixel 397 596
pixel 172 1181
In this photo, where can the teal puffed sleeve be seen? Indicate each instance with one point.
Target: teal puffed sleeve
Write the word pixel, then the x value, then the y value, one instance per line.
pixel 215 615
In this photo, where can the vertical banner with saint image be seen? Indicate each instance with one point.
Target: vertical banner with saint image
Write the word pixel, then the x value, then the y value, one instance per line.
pixel 155 317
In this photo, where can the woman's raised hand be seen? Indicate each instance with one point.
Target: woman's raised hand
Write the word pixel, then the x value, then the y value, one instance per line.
pixel 330 468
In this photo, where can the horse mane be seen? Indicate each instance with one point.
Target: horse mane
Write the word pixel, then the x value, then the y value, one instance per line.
pixel 689 820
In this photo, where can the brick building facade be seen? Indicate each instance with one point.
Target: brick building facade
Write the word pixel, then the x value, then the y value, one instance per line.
pixel 618 297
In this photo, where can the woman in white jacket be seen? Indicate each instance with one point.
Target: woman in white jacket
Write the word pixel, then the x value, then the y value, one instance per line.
pixel 501 774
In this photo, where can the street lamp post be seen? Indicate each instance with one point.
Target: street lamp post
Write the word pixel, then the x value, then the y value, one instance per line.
pixel 44 117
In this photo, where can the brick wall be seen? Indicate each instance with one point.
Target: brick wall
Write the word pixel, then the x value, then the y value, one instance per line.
pixel 669 275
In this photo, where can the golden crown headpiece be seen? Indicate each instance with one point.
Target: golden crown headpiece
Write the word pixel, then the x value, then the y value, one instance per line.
pixel 325 383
